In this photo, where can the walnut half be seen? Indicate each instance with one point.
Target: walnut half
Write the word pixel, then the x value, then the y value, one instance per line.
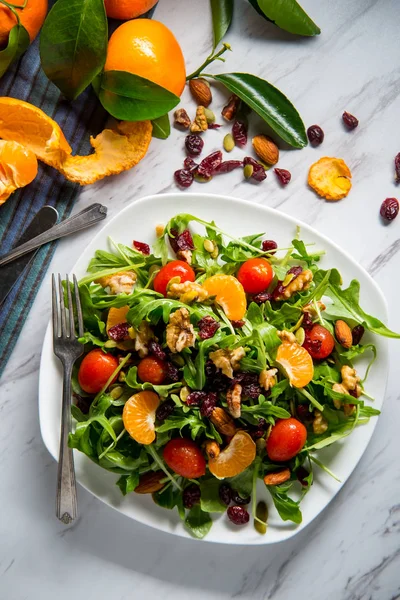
pixel 234 399
pixel 227 360
pixel 122 282
pixel 298 284
pixel 187 292
pixel 180 333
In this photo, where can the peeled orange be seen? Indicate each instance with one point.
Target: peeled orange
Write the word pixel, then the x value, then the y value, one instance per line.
pixel 296 363
pixel 229 294
pixel 139 415
pixel 236 457
pixel 18 167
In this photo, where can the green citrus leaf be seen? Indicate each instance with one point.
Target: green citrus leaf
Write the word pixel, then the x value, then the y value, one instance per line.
pixel 161 127
pixel 268 102
pixel 222 12
pixel 132 98
pixel 288 15
pixel 18 42
pixel 73 44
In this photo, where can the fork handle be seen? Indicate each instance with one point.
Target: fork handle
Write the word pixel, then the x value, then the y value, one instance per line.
pixel 66 500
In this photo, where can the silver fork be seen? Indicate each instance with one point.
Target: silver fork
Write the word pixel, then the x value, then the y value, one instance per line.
pixel 68 349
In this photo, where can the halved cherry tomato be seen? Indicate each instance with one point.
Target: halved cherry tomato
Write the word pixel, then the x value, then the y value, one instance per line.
pixel 255 275
pixel 286 439
pixel 319 342
pixel 185 458
pixel 152 369
pixel 176 268
pixel 95 370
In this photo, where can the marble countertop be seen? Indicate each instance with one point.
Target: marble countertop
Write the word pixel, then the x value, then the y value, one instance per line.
pixel 351 551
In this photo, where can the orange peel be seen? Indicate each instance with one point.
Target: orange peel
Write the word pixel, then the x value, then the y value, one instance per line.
pixel 115 149
pixel 330 178
pixel 18 167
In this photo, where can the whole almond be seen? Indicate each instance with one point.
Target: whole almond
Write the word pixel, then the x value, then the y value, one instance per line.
pixel 277 478
pixel 150 482
pixel 266 149
pixel 343 334
pixel 223 422
pixel 201 91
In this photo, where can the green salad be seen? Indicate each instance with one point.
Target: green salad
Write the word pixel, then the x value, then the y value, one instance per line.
pixel 212 362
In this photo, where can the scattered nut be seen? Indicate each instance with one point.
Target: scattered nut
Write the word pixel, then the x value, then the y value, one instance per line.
pixel 227 360
pixel 184 393
pixel 208 245
pixel 180 333
pixel 187 292
pixel 267 378
pixel 209 116
pixel 248 171
pixel 223 422
pixel 320 424
pixel 212 449
pixel 300 336
pixel 350 379
pixel 116 392
pixel 160 230
pixel 185 255
pixel 266 149
pixel 287 336
pixel 150 482
pixel 229 142
pixel 200 90
pixel 299 283
pixel 229 111
pixel 122 282
pixel 343 334
pixel 234 399
pixel 277 477
pixel 181 118
pixel 200 122
pixel 142 337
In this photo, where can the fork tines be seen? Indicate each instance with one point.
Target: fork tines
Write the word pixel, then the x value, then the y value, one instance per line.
pixel 63 327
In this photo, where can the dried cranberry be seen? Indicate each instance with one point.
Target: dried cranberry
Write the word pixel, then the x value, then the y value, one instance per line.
pixel 155 348
pixel 171 372
pixel 238 324
pixel 237 499
pixel 209 164
pixel 228 165
pixel 183 177
pixel 249 382
pixel 239 132
pixel 315 135
pixel 195 398
pixel 213 126
pixel 141 247
pixel 269 246
pixel 83 403
pixel 191 495
pixel 194 144
pixel 307 321
pixel 210 369
pixel 262 424
pixel 302 473
pixel 303 413
pixel 397 167
pixel 208 404
pixel 283 175
pixel 238 515
pixel 164 410
pixel 189 164
pixel 207 326
pixel 216 381
pixel 257 433
pixel 357 332
pixel 259 173
pixel 181 241
pixel 295 271
pixel 119 332
pixel 349 120
pixel 262 297
pixel 225 493
pixel 389 209
pixel 278 290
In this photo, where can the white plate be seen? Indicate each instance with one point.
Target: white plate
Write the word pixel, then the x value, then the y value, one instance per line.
pixel 237 217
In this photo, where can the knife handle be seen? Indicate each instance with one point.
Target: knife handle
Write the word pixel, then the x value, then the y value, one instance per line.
pixel 87 217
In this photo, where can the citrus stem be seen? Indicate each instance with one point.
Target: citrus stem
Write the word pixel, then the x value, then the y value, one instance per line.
pixel 12 7
pixel 210 59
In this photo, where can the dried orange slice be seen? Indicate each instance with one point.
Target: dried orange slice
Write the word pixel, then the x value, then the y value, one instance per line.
pixel 229 294
pixel 139 415
pixel 296 362
pixel 236 457
pixel 115 150
pixel 18 167
pixel 330 178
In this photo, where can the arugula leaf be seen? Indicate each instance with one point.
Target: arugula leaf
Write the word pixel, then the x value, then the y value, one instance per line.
pixel 287 508
pixel 222 12
pixel 161 390
pixel 285 314
pixel 302 253
pixel 243 483
pixel 127 483
pixel 210 500
pixel 168 497
pixel 198 522
pixel 193 421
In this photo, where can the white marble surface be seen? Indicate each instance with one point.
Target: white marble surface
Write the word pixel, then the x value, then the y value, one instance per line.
pixel 351 551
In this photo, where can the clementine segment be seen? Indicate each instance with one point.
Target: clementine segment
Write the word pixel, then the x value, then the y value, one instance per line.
pixel 296 363
pixel 115 317
pixel 18 167
pixel 139 415
pixel 229 294
pixel 149 49
pixel 127 9
pixel 31 17
pixel 236 457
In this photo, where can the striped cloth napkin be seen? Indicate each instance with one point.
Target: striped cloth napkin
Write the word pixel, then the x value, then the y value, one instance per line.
pixel 78 120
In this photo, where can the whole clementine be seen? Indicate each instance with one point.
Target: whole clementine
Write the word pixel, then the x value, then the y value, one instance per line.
pixel 149 49
pixel 31 17
pixel 127 9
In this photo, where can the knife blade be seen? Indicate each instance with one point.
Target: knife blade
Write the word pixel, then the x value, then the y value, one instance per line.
pixel 44 219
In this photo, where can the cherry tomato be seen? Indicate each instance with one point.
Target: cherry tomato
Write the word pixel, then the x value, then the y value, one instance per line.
pixel 95 370
pixel 286 439
pixel 255 275
pixel 319 342
pixel 176 268
pixel 185 458
pixel 152 369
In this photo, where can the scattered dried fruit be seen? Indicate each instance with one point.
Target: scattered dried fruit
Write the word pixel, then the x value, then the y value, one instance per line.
pixel 357 333
pixel 343 334
pixel 225 493
pixel 201 92
pixel 181 118
pixel 269 246
pixel 228 165
pixel 389 209
pixel 191 495
pixel 207 327
pixel 194 144
pixel 330 178
pixel 349 120
pixel 228 143
pixel 283 175
pixel 258 173
pixel 397 167
pixel 315 135
pixel 184 178
pixel 238 515
pixel 141 247
pixel 165 409
pixel 266 149
pixel 239 133
pixel 229 111
pixel 209 164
